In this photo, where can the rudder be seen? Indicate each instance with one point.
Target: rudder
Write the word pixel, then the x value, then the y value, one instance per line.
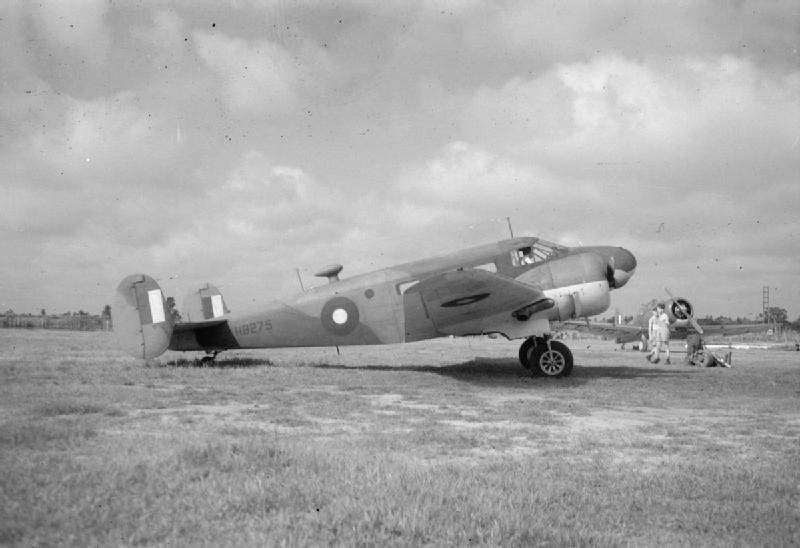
pixel 203 304
pixel 142 322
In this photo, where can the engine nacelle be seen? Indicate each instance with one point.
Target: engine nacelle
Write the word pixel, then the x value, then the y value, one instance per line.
pixel 577 284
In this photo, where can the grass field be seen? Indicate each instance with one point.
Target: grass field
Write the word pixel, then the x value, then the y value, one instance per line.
pixel 444 443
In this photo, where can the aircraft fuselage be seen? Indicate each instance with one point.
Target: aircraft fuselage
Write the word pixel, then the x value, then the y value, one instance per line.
pixel 393 305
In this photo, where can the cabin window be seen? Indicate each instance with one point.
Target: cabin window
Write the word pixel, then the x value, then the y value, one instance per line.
pixel 543 250
pixel 522 256
pixel 405 286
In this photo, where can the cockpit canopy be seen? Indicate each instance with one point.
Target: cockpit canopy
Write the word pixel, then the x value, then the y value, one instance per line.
pixel 536 252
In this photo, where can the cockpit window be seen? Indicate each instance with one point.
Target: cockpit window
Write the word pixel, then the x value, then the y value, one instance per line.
pixel 525 255
pixel 538 252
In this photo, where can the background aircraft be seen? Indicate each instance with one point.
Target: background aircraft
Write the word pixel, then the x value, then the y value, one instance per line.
pixel 513 287
pixel 682 322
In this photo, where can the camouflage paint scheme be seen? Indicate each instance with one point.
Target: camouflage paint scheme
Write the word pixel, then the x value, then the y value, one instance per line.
pixel 514 287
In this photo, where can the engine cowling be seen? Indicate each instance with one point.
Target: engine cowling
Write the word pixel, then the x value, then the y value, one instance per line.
pixel 679 309
pixel 576 283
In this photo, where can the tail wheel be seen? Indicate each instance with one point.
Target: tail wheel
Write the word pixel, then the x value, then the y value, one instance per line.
pixel 552 360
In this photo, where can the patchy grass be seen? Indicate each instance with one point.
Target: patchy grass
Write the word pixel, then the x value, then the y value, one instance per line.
pixel 446 443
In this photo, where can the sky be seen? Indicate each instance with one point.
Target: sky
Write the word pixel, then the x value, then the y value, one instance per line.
pixel 234 142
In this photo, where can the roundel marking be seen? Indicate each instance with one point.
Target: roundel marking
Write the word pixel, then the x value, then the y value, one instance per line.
pixel 340 316
pixel 464 301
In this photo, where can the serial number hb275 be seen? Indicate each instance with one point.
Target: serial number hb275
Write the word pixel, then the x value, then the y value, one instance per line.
pixel 252 328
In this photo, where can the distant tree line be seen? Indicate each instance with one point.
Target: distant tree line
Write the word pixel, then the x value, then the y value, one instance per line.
pixel 77 321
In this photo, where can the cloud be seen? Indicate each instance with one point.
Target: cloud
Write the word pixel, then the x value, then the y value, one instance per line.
pixel 76 28
pixel 74 165
pixel 261 76
pixel 645 124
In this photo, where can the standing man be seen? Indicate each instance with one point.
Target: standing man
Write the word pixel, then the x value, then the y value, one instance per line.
pixel 659 333
pixel 651 336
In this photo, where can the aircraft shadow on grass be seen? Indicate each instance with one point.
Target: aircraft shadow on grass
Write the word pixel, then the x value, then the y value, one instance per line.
pixel 480 370
pixel 227 363
pixel 508 372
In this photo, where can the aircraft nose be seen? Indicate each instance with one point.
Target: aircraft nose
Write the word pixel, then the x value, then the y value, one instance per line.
pixel 624 264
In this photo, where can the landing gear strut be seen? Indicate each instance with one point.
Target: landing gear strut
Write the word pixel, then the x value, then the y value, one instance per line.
pixel 547 357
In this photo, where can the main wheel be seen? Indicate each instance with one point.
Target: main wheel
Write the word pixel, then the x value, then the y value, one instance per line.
pixel 553 360
pixel 525 352
pixel 644 345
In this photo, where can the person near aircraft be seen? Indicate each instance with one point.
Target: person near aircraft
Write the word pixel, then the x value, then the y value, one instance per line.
pixel 693 343
pixel 659 333
pixel 650 342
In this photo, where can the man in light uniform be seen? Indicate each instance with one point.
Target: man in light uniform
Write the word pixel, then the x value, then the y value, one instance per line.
pixel 659 334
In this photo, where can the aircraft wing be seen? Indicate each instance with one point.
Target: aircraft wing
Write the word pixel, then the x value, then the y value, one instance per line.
pixel 471 301
pixel 624 333
pixel 735 329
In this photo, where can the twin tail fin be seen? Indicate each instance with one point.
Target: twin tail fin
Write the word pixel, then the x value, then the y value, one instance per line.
pixel 142 322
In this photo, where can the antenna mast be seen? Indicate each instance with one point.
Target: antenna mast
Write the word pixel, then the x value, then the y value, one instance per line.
pixel 510 230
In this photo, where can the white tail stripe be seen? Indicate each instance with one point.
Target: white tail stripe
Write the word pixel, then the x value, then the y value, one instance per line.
pixel 216 306
pixel 156 305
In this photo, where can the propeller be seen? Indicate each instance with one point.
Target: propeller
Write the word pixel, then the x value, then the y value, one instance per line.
pixel 687 314
pixel 612 282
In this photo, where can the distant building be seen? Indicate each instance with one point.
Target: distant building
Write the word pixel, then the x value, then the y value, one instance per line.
pixel 71 321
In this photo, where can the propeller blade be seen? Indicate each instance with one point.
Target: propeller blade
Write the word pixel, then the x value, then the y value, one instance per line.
pixel 612 282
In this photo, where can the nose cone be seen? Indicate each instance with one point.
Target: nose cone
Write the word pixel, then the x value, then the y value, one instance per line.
pixel 624 264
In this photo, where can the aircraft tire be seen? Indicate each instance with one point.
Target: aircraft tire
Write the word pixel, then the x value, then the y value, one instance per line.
pixel 555 361
pixel 525 352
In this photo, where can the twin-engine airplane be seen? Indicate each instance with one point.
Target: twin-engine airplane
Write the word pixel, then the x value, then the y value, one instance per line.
pixel 682 322
pixel 513 287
